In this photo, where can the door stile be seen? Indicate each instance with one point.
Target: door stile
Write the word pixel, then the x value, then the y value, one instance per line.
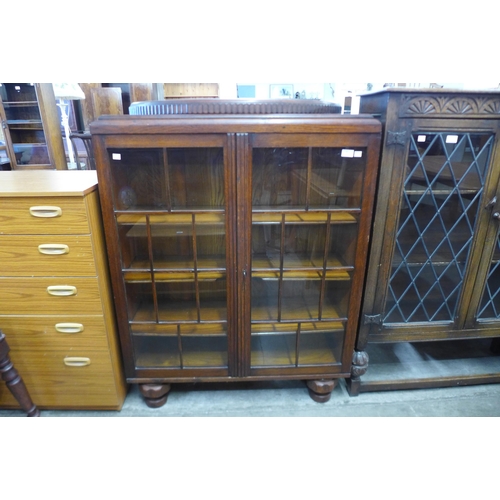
pixel 99 145
pixel 243 230
pixel 231 253
pixel 385 223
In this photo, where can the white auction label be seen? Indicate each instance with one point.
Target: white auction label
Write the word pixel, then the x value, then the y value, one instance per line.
pixel 347 153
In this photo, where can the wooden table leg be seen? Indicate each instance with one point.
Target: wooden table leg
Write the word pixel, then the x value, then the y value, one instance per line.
pixel 14 381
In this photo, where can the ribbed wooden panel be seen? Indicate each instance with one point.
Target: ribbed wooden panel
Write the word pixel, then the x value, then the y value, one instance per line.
pixel 231 107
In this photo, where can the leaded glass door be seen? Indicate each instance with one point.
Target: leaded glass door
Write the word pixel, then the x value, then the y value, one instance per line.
pixel 431 273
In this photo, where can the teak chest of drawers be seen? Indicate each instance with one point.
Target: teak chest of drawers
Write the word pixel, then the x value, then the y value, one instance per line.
pixel 55 303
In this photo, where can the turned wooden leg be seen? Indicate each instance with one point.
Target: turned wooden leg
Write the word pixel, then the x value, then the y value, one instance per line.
pixel 155 395
pixel 359 366
pixel 321 390
pixel 14 381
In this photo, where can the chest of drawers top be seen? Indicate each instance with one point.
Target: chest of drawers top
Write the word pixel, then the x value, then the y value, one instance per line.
pixel 46 201
pixel 43 183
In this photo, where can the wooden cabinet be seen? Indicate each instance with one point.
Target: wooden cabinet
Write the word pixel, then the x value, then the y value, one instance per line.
pixel 31 136
pixel 237 244
pixel 56 306
pixel 433 277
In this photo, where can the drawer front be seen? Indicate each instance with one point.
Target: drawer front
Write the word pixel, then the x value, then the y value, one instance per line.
pixel 50 296
pixel 36 333
pixel 43 215
pixel 53 384
pixel 46 256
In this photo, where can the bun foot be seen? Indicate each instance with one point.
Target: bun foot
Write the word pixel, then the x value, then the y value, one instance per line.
pixel 321 390
pixel 155 395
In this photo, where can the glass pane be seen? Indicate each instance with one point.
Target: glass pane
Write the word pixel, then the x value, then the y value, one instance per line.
pixel 303 247
pixel 199 352
pixel 276 177
pixel 490 303
pixel 138 179
pixel 181 345
pixel 187 178
pixel 441 199
pixel 18 92
pixel 196 177
pixel 182 242
pixel 307 177
pixel 296 344
pixel 22 113
pixel 292 299
pixel 336 177
pixel 4 159
pixel 188 300
pixel 152 352
pixel 32 135
pixel 31 155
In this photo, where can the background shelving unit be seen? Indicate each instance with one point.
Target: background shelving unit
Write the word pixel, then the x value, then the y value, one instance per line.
pixel 31 126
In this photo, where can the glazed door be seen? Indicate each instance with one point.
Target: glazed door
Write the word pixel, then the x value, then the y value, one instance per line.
pixel 302 264
pixel 24 126
pixel 172 205
pixel 484 312
pixel 430 257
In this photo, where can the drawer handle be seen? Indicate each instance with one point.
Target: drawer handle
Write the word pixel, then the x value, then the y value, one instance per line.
pixel 44 211
pixel 53 249
pixel 69 327
pixel 61 290
pixel 76 361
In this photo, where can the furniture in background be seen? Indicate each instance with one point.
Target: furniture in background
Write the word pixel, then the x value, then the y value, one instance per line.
pixel 114 98
pixel 87 161
pixel 56 306
pixel 66 94
pixel 14 381
pixel 31 126
pixel 237 243
pixel 188 90
pixel 432 294
pixel 4 153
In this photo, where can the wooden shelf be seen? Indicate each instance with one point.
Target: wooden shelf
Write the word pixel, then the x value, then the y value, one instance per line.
pixel 331 275
pixel 295 309
pixel 179 311
pixel 212 218
pixel 8 104
pixel 305 327
pixel 186 329
pixel 339 217
pixel 303 267
pixel 172 276
pixel 178 264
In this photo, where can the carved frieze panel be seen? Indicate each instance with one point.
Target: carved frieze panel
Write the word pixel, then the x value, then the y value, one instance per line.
pixel 450 105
